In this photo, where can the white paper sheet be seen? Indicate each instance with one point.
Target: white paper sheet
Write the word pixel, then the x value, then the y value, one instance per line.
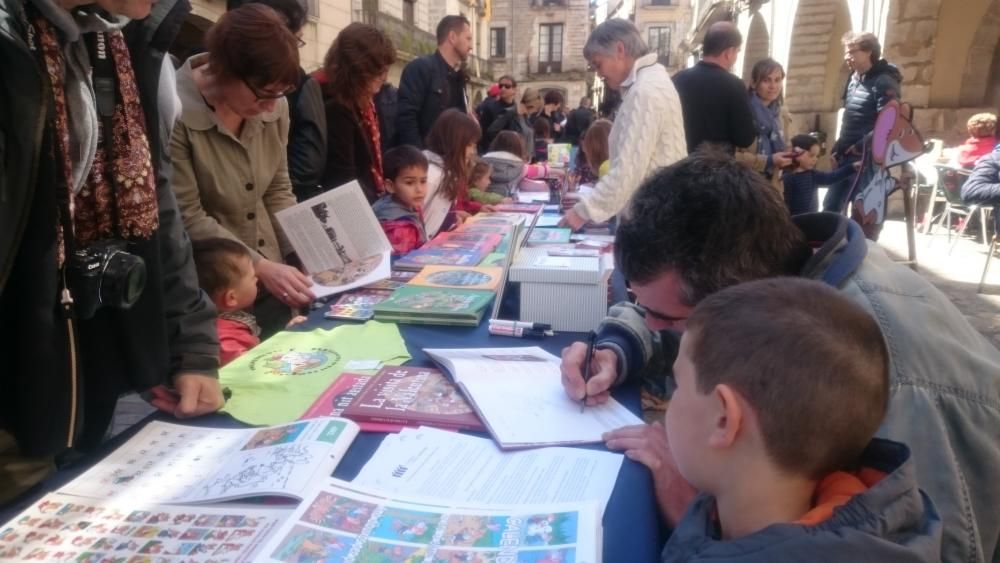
pixel 519 395
pixel 464 469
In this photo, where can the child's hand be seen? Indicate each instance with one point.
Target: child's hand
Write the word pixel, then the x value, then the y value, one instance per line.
pixel 297 320
pixel 782 159
pixel 462 217
pixel 488 208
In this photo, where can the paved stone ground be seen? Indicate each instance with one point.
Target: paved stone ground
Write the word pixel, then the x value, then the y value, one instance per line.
pixel 956 274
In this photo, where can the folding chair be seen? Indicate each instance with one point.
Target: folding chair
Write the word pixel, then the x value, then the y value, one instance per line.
pixel 950 181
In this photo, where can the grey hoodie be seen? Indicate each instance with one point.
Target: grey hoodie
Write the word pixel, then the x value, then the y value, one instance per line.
pixel 508 171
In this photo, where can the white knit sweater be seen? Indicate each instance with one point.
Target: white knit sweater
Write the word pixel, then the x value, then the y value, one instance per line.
pixel 648 133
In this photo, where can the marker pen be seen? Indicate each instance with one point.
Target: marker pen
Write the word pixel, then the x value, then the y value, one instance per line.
pixel 522 324
pixel 518 332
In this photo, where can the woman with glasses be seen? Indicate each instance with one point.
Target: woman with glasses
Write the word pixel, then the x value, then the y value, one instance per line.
pixel 355 69
pixel 228 149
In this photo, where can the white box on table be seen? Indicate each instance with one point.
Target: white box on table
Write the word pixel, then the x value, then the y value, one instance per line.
pixel 569 293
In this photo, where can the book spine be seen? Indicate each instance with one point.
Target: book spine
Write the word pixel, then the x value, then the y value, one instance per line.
pixel 362 418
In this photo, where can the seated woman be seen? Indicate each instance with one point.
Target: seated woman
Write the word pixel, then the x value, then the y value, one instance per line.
pixel 228 149
pixel 451 146
pixel 982 138
pixel 355 67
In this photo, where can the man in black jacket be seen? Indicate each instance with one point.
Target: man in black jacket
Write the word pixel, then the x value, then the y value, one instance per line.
pixel 492 108
pixel 65 365
pixel 873 82
pixel 434 83
pixel 715 102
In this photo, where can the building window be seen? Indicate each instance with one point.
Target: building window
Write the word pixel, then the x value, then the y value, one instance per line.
pixel 408 11
pixel 659 42
pixel 550 43
pixel 498 42
pixel 661 2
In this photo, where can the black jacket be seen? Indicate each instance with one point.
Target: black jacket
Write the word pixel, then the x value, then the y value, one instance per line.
pixel 983 185
pixel 488 112
pixel 349 152
pixel 577 123
pixel 715 106
pixel 863 97
pixel 427 88
pixel 306 136
pixel 386 107
pixel 61 378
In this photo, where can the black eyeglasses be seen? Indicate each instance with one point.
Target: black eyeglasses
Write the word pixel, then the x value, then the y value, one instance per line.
pixel 506 86
pixel 264 96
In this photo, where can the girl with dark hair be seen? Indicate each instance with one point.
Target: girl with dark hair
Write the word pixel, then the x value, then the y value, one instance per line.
pixel 451 145
pixel 355 68
pixel 228 149
pixel 768 154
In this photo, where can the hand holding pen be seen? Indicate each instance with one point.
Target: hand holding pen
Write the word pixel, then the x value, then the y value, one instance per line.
pixel 603 367
pixel 588 359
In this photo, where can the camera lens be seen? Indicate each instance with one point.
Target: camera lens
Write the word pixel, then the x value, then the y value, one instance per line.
pixel 123 280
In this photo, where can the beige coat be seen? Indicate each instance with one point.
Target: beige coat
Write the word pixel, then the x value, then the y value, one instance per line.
pixel 758 162
pixel 227 186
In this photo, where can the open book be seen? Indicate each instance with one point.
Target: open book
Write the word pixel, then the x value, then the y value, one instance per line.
pixel 518 394
pixel 340 522
pixel 170 463
pixel 338 239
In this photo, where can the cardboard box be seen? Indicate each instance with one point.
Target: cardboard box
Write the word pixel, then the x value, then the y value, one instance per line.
pixel 569 293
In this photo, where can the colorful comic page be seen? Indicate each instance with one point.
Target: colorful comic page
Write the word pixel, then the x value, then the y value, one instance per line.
pixel 344 524
pixel 172 463
pixel 65 528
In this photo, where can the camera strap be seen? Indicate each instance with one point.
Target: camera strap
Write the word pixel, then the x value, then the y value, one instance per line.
pixel 105 79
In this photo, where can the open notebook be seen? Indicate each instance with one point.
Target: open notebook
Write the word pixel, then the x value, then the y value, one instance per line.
pixel 518 394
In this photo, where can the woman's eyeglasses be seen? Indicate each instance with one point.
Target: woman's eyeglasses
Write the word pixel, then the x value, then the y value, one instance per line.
pixel 263 95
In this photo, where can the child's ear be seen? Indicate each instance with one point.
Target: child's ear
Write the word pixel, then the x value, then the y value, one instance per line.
pixel 729 414
pixel 389 187
pixel 228 299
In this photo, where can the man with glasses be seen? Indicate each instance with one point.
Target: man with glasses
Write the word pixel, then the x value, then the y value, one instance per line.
pixel 872 84
pixel 709 222
pixel 492 108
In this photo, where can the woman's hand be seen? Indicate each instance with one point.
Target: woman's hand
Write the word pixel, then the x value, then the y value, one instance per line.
pixel 289 285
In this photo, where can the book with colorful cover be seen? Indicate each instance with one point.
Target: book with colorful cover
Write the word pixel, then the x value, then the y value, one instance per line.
pixel 549 236
pixel 434 305
pixel 479 241
pixel 495 219
pixel 431 256
pixel 412 396
pixel 500 229
pixel 459 277
pixel 497 259
pixel 365 298
pixel 349 313
pixel 519 207
pixel 339 395
pixel 559 154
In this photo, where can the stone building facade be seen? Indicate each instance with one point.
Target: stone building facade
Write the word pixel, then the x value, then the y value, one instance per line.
pixel 945 49
pixel 663 25
pixel 540 43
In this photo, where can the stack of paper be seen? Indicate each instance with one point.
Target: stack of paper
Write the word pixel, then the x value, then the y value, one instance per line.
pixel 460 469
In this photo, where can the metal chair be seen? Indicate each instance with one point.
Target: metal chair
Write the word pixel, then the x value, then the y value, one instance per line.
pixel 991 249
pixel 950 181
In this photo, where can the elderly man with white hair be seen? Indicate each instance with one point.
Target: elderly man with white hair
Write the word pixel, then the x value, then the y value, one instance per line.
pixel 649 129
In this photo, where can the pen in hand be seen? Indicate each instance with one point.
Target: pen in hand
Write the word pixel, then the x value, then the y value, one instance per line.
pixel 591 340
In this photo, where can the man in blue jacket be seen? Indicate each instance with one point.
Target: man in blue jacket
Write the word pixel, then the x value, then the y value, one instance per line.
pixel 434 83
pixel 944 376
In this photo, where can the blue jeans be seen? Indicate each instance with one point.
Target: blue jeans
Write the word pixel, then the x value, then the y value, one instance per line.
pixel 837 194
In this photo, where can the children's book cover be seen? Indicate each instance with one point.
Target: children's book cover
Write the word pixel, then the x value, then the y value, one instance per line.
pixel 486 229
pixel 342 393
pixel 413 396
pixel 559 154
pixel 429 256
pixel 349 313
pixel 365 298
pixel 459 277
pixel 465 239
pixel 497 259
pixel 495 219
pixel 433 305
pixel 549 236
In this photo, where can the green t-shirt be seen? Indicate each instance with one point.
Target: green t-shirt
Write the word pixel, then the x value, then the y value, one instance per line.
pixel 279 379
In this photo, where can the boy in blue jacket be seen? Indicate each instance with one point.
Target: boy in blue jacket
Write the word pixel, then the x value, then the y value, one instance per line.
pixel 781 385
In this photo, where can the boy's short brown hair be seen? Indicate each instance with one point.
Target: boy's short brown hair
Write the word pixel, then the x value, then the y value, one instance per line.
pixel 810 362
pixel 218 263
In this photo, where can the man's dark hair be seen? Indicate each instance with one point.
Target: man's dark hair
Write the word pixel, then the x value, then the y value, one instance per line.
pixel 217 261
pixel 719 37
pixel 811 364
pixel 397 159
pixel 584 100
pixel 804 142
pixel 553 97
pixel 293 11
pixel 713 221
pixel 449 24
pixel 508 78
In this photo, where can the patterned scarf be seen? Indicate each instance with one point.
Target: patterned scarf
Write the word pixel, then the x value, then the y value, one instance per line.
pixel 370 122
pixel 119 195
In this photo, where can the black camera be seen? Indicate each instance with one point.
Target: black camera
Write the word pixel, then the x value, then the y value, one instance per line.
pixel 104 274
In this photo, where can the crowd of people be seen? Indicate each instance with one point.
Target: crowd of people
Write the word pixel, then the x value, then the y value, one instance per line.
pixel 822 399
